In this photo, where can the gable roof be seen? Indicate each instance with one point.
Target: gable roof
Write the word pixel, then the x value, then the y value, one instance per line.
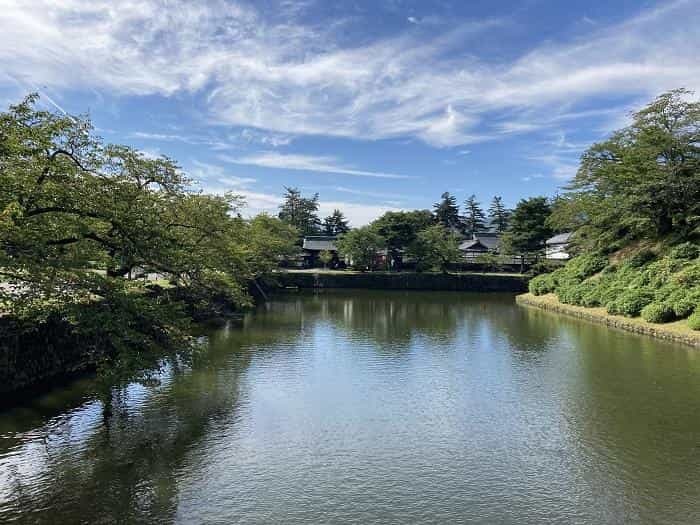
pixel 319 243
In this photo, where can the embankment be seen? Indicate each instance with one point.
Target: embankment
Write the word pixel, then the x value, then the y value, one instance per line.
pixel 32 357
pixel 677 331
pixel 463 282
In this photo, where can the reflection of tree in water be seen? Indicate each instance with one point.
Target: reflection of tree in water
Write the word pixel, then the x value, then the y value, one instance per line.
pixel 635 404
pixel 393 319
pixel 125 471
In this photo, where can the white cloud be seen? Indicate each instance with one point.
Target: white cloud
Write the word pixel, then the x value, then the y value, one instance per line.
pixel 285 77
pixel 322 164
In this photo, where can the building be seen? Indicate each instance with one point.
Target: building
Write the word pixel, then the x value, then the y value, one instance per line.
pixel 480 244
pixel 313 245
pixel 556 248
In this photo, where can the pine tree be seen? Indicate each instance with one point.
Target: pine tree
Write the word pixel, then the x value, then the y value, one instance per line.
pixel 335 224
pixel 498 214
pixel 474 219
pixel 300 212
pixel 447 212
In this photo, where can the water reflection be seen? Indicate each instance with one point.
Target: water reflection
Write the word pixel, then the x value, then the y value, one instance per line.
pixel 376 407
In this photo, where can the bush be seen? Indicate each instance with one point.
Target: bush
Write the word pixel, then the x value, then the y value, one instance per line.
pixel 640 258
pixel 687 250
pixel 685 303
pixel 694 320
pixel 630 302
pixel 584 266
pixel 657 313
pixel 541 284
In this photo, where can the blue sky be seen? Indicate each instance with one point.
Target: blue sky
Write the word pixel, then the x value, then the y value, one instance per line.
pixel 377 105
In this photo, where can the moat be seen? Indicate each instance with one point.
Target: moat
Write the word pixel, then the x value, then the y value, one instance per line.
pixel 375 407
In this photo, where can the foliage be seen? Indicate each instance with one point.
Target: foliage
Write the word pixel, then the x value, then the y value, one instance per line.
pixel 447 212
pixel 657 313
pixel 528 228
pixel 641 183
pixel 300 212
pixel 630 302
pixel 361 245
pixel 335 224
pixel 78 217
pixel 474 217
pixel 400 228
pixel 325 257
pixel 694 320
pixel 686 250
pixel 542 284
pixel 499 215
pixel 435 248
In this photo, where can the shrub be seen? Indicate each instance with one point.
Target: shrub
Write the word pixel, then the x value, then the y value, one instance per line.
pixel 684 302
pixel 640 258
pixel 657 313
pixel 541 284
pixel 630 302
pixel 584 266
pixel 689 276
pixel 694 320
pixel 687 250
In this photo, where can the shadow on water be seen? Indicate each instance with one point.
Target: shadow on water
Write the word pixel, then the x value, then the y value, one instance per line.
pixel 77 467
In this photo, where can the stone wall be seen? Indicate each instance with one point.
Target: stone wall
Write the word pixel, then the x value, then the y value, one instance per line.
pixel 42 353
pixel 404 281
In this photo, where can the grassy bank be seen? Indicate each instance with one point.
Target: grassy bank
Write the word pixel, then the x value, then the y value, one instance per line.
pixel 463 282
pixel 677 331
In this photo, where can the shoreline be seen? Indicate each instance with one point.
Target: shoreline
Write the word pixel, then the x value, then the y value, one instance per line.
pixel 677 331
pixel 425 281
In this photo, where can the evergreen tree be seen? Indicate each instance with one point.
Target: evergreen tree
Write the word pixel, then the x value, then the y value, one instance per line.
pixel 447 212
pixel 529 228
pixel 300 212
pixel 498 214
pixel 475 218
pixel 335 224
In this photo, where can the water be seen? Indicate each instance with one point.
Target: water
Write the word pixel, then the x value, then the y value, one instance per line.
pixel 376 407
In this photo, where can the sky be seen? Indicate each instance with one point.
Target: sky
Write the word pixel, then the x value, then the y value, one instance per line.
pixel 376 105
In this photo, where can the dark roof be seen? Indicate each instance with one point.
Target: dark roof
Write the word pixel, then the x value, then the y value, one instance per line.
pixel 561 238
pixel 319 243
pixel 482 243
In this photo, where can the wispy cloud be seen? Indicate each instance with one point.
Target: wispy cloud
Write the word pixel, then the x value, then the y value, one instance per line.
pixel 283 75
pixel 322 164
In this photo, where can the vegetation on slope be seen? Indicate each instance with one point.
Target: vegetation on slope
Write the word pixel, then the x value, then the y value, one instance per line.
pixel 634 206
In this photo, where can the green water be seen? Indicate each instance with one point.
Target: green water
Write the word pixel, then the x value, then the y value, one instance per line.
pixel 376 407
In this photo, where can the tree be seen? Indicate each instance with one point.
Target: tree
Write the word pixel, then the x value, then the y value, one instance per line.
pixel 435 247
pixel 447 212
pixel 399 229
pixel 642 182
pixel 77 218
pixel 498 214
pixel 361 245
pixel 300 212
pixel 474 217
pixel 335 224
pixel 528 228
pixel 325 257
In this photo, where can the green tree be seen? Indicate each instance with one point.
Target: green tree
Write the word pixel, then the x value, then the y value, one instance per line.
pixel 335 224
pixel 300 212
pixel 528 228
pixel 642 182
pixel 498 214
pixel 325 257
pixel 361 245
pixel 447 212
pixel 435 247
pixel 77 218
pixel 474 216
pixel 400 228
